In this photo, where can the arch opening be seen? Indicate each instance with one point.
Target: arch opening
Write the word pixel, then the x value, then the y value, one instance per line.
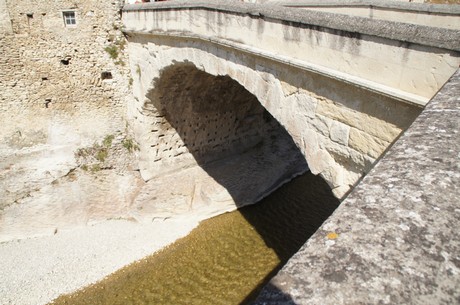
pixel 210 140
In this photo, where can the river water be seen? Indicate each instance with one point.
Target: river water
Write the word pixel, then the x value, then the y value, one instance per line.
pixel 226 259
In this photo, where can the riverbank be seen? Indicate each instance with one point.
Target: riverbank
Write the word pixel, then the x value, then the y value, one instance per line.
pixel 226 259
pixel 230 256
pixel 35 271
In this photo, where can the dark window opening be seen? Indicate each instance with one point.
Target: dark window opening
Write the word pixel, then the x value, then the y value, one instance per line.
pixel 106 75
pixel 69 18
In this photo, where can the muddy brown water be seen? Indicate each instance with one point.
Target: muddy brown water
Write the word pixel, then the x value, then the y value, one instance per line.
pixel 226 259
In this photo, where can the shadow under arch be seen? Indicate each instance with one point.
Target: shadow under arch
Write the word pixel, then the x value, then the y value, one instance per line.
pixel 215 123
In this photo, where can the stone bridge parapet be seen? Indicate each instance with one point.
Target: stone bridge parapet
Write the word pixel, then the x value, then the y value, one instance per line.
pixel 394 239
pixel 431 15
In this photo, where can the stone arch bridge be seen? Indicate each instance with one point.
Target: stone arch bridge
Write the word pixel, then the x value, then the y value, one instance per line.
pixel 336 91
pixel 210 80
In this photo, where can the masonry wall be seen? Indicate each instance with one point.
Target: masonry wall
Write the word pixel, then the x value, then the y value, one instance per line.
pixel 340 129
pixel 5 20
pixel 49 70
pixel 63 90
pixel 344 88
pixel 397 59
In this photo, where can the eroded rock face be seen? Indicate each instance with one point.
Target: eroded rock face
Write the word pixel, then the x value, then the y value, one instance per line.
pixel 45 189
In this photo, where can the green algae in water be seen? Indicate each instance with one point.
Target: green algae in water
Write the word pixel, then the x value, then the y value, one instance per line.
pixel 226 259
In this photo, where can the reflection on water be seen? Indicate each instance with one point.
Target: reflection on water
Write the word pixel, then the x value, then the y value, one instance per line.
pixel 226 259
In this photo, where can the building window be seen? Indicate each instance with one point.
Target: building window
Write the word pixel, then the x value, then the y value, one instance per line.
pixel 69 18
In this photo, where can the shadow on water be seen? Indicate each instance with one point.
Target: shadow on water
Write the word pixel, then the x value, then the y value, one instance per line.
pixel 229 258
pixel 289 217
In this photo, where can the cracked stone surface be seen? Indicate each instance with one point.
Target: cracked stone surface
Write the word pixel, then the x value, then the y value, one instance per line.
pixel 394 240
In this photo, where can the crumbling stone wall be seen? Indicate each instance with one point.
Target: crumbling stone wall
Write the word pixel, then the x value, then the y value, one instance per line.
pixel 50 70
pixel 63 90
pixel 5 20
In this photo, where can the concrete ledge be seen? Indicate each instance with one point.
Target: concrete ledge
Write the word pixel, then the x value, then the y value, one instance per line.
pixel 418 34
pixel 394 240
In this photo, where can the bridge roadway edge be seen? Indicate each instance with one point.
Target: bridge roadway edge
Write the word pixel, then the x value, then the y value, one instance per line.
pixel 414 34
pixel 394 239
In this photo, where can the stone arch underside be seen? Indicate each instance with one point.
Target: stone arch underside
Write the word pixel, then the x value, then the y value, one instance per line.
pixel 209 146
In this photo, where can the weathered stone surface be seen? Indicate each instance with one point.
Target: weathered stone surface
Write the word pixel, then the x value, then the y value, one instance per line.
pixel 45 189
pixel 357 50
pixel 305 105
pixel 366 144
pixel 60 91
pixel 339 133
pixel 305 112
pixel 76 95
pixel 321 124
pixel 359 120
pixel 221 151
pixel 412 12
pixel 394 239
pixel 204 191
pixel 5 23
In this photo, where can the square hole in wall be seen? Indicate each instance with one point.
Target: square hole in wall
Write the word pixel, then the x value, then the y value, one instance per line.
pixel 106 75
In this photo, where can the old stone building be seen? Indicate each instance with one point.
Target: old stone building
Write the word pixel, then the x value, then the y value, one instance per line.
pixel 61 58
pixel 64 84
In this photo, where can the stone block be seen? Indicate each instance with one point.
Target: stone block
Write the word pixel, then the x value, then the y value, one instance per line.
pixel 321 124
pixel 339 133
pixel 333 175
pixel 360 120
pixel 288 89
pixel 347 157
pixel 303 104
pixel 320 161
pixel 367 144
pixel 309 144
